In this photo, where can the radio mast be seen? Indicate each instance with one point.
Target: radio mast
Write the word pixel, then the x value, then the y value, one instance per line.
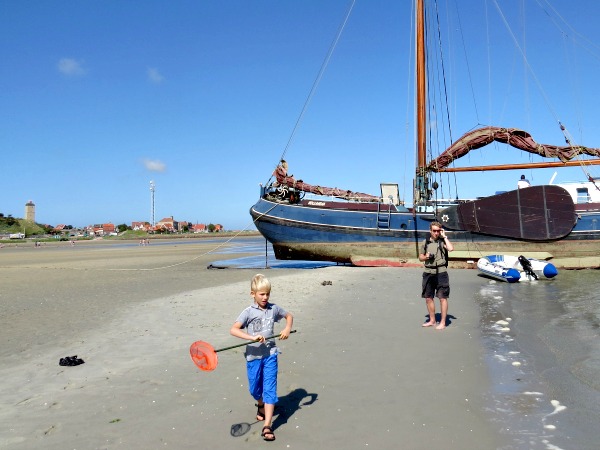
pixel 152 189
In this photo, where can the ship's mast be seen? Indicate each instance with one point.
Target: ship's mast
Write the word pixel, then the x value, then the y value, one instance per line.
pixel 421 181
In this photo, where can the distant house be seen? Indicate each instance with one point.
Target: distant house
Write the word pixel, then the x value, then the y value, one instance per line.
pixel 167 224
pixel 96 230
pixel 199 228
pixel 103 229
pixel 218 227
pixel 59 228
pixel 141 226
pixel 108 228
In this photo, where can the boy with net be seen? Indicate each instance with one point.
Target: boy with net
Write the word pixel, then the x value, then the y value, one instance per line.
pixel 258 321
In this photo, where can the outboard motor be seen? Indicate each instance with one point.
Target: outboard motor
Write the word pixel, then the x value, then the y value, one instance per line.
pixel 526 265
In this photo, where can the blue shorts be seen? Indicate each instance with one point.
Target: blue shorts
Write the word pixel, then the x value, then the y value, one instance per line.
pixel 262 379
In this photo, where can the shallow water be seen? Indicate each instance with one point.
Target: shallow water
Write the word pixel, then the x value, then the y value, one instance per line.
pixel 543 354
pixel 265 257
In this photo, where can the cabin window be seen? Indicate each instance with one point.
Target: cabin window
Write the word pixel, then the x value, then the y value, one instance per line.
pixel 583 196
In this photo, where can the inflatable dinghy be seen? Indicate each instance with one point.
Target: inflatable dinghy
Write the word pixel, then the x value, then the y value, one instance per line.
pixel 515 268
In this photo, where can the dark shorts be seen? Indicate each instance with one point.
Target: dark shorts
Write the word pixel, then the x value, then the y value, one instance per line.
pixel 436 284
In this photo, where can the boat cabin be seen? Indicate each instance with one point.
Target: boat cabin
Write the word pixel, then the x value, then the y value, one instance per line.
pixel 583 193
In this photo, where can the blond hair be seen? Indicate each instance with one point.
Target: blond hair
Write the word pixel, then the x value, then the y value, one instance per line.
pixel 435 224
pixel 260 283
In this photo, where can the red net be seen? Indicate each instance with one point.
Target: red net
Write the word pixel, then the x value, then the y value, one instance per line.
pixel 204 356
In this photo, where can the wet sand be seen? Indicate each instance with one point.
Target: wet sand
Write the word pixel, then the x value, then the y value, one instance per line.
pixel 360 371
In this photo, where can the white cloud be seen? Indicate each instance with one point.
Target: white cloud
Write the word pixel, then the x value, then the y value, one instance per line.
pixel 71 67
pixel 154 76
pixel 154 166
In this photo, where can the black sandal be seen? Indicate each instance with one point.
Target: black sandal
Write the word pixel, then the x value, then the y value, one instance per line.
pixel 267 433
pixel 70 361
pixel 260 412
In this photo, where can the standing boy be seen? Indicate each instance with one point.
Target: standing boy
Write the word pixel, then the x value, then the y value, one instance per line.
pixel 435 277
pixel 261 356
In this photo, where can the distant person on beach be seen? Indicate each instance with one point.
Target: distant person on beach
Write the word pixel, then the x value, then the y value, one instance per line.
pixel 435 277
pixel 523 182
pixel 261 356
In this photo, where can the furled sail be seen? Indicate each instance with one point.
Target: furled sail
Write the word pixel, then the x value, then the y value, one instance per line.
pixel 283 180
pixel 512 136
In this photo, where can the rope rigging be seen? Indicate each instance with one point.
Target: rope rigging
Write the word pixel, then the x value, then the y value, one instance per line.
pixel 316 82
pixel 562 127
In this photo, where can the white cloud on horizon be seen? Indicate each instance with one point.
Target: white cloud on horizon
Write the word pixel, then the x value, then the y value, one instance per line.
pixel 155 76
pixel 71 67
pixel 154 165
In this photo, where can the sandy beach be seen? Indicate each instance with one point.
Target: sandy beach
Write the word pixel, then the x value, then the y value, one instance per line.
pixel 360 372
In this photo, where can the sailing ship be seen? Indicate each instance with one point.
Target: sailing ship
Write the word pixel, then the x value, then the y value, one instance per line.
pixel 554 222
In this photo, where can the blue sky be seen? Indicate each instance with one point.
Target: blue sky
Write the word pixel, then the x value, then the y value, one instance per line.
pixel 201 97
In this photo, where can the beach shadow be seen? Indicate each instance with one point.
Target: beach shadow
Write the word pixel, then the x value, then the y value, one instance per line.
pixel 438 318
pixel 240 429
pixel 285 408
pixel 290 403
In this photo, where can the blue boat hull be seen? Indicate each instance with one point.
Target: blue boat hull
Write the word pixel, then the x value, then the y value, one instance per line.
pixel 362 237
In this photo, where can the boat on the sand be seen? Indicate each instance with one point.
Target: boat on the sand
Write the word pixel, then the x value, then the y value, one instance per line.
pixel 556 222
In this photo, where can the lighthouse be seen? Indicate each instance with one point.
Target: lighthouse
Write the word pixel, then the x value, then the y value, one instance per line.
pixel 30 211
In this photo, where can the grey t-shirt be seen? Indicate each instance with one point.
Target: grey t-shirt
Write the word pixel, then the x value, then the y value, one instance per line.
pixel 258 321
